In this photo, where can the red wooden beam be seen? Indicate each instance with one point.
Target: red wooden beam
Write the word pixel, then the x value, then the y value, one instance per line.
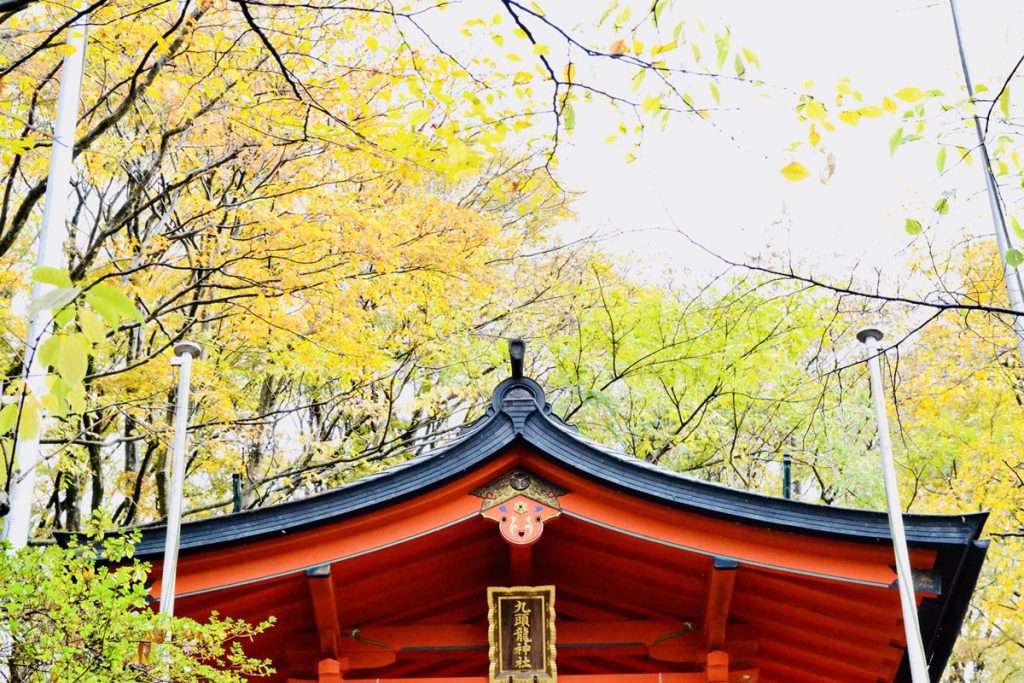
pixel 747 676
pixel 325 610
pixel 671 639
pixel 520 565
pixel 716 613
pixel 717 668
pixel 329 671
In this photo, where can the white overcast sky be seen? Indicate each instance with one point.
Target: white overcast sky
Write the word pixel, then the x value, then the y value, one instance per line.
pixel 729 194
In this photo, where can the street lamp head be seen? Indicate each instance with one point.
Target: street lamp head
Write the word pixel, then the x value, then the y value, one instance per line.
pixel 869 333
pixel 191 348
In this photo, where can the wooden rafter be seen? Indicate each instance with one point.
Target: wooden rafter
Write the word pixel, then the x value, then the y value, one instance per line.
pixel 716 613
pixel 325 610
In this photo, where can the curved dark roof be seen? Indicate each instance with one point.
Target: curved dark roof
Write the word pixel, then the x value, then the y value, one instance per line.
pixel 518 412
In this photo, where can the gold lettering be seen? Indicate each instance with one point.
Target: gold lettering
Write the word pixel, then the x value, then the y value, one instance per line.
pixel 523 648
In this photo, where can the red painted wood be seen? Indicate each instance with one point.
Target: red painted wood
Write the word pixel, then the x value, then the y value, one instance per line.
pixel 325 611
pixel 330 670
pixel 717 668
pixel 520 570
pixel 716 614
pixel 415 575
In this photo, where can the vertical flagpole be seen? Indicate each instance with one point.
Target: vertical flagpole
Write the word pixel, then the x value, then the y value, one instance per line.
pixel 915 647
pixel 52 235
pixel 1014 287
pixel 184 352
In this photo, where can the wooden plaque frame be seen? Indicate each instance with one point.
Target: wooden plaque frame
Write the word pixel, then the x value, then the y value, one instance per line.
pixel 503 669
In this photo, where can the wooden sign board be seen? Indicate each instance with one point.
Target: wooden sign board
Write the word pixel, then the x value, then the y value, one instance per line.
pixel 521 634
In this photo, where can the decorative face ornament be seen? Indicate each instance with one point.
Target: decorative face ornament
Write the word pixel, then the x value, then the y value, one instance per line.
pixel 520 503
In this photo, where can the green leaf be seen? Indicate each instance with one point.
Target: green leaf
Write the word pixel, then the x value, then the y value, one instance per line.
pixel 73 360
pixel 638 78
pixel 49 351
pixel 76 398
pixel 92 326
pixel 115 300
pixel 55 299
pixel 940 160
pixel 722 47
pixel 1015 224
pixel 895 141
pixel 1014 258
pixel 912 226
pixel 106 311
pixel 1004 102
pixel 28 426
pixel 56 401
pixel 569 116
pixel 8 417
pixel 714 92
pixel 659 7
pixel 64 316
pixel 52 276
pixel 739 66
pixel 941 206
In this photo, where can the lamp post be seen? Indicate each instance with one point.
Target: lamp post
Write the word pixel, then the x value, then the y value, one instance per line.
pixel 185 353
pixel 870 337
pixel 1011 277
pixel 53 233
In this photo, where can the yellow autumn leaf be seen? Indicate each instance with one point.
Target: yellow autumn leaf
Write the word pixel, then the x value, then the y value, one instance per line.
pixel 651 104
pixel 794 171
pixel 664 47
pixel 909 94
pixel 850 117
pixel 814 110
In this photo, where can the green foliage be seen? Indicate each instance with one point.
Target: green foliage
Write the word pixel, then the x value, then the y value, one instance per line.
pixel 70 616
pixel 80 321
pixel 717 385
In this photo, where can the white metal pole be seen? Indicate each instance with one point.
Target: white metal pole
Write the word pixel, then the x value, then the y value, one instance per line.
pixel 185 352
pixel 50 252
pixel 915 646
pixel 1014 287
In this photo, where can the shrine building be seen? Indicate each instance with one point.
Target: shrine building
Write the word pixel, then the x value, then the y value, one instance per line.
pixel 523 552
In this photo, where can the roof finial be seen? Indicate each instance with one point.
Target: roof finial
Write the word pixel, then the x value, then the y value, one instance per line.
pixel 516 354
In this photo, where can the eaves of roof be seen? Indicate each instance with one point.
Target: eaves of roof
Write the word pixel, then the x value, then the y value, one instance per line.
pixel 519 413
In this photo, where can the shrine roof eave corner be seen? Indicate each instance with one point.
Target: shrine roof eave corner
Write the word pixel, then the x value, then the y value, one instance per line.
pixel 519 414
